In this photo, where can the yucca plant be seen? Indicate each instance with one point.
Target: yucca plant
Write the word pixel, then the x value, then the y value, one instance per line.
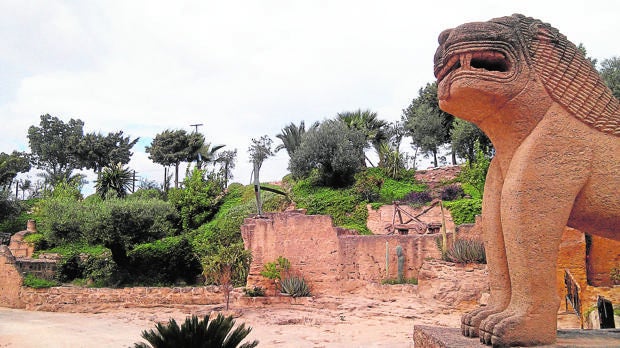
pixel 295 286
pixel 466 251
pixel 195 333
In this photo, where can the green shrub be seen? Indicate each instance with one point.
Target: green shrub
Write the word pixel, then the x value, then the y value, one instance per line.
pixel 164 261
pixel 15 214
pixel 464 210
pixel 143 194
pixel 198 200
pixel 376 205
pixel 256 291
pixel 197 333
pixel 368 186
pixel 474 174
pixel 394 281
pixel 37 240
pixel 101 271
pixel 276 269
pixel 35 282
pixel 234 256
pixel 295 286
pixel 90 265
pixel 466 251
pixel 343 205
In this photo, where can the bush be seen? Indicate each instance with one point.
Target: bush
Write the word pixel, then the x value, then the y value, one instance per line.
pixel 343 205
pixel 333 151
pixel 394 281
pixel 464 210
pixel 142 194
pixel 418 198
pixel 101 271
pixel 35 282
pixel 118 224
pixel 614 275
pixel 197 333
pixel 164 261
pixel 452 192
pixel 368 186
pixel 295 286
pixel 234 259
pixel 256 291
pixel 198 201
pixel 14 214
pixel 466 251
pixel 37 240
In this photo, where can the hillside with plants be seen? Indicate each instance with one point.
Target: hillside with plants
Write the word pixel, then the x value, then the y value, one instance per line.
pixel 187 231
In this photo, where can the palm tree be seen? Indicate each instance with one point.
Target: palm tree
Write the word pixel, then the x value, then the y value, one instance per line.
pixel 368 123
pixel 206 154
pixel 291 136
pixel 116 179
pixel 195 333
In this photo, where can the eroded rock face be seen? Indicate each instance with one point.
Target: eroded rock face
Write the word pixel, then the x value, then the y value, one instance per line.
pixel 556 130
pixel 460 286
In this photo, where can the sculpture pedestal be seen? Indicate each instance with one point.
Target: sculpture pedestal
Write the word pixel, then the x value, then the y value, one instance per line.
pixel 443 337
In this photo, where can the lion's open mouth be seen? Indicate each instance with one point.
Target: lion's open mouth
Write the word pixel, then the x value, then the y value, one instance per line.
pixel 487 61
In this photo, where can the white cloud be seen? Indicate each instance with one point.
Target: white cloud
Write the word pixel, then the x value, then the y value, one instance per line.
pixel 241 68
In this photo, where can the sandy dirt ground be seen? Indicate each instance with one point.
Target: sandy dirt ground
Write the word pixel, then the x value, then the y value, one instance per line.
pixel 356 320
pixel 349 321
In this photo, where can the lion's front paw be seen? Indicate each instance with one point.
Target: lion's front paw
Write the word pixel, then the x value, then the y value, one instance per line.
pixel 470 322
pixel 514 328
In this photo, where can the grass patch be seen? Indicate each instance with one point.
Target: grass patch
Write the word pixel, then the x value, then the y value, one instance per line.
pixel 35 282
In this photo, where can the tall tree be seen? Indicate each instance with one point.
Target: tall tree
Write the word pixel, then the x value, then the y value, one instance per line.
pixel 334 150
pixel 428 126
pixel 291 136
pixel 610 72
pixel 116 179
pixel 260 150
pixel 390 157
pixel 226 160
pixel 207 154
pixel 11 165
pixel 174 147
pixel 53 146
pixel 96 151
pixel 465 136
pixel 367 122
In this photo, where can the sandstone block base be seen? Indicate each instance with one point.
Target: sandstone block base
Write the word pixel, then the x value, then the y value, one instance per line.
pixel 443 337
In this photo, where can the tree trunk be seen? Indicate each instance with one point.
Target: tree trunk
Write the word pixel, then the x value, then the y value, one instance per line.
pixel 435 158
pixel 176 175
pixel 453 157
pixel 119 254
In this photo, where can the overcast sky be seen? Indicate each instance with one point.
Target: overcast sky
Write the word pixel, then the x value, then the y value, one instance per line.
pixel 242 68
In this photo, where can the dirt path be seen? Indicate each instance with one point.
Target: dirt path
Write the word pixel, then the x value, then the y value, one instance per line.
pixel 350 321
pixel 369 319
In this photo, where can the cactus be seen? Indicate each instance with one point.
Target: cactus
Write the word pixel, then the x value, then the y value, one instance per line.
pixel 401 263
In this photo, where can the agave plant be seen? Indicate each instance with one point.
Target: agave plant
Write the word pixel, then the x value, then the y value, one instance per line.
pixel 295 286
pixel 195 333
pixel 466 251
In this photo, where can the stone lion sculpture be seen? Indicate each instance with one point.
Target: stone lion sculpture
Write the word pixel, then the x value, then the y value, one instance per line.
pixel 555 127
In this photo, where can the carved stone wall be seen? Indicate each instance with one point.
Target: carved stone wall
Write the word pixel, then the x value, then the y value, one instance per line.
pixel 78 299
pixel 381 218
pixel 18 247
pixel 603 255
pixel 10 280
pixel 330 260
